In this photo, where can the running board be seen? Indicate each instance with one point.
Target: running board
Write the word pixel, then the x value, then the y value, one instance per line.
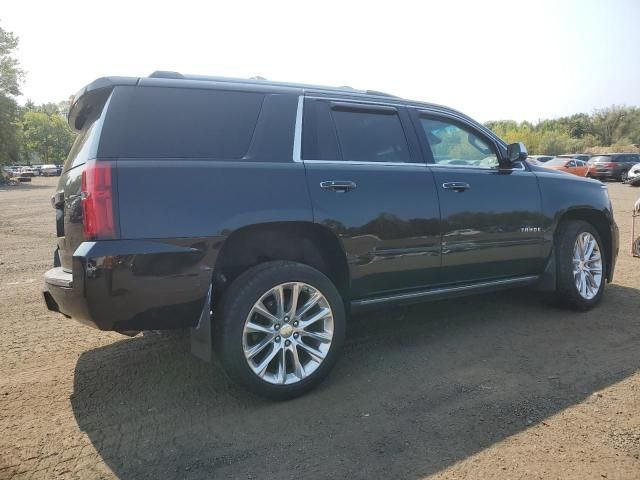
pixel 444 292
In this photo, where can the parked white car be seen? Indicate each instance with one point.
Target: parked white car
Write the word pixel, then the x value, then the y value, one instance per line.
pixel 49 170
pixel 28 172
pixel 633 177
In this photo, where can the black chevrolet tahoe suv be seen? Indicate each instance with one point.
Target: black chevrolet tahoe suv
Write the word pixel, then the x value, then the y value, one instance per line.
pixel 259 214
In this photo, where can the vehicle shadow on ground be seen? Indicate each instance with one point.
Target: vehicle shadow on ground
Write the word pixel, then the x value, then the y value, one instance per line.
pixel 416 390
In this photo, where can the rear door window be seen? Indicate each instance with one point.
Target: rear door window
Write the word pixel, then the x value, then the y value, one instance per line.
pixel 353 132
pixel 370 135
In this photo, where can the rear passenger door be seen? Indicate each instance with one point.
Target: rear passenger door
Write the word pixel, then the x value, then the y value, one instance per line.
pixel 581 168
pixel 370 186
pixel 491 216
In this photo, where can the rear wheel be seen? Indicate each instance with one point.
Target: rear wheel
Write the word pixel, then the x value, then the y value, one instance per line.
pixel 279 329
pixel 581 265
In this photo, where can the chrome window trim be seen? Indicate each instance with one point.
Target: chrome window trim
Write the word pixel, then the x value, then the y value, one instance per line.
pixel 518 166
pixel 297 136
pixel 390 103
pixel 297 132
pixel 462 167
pixel 354 162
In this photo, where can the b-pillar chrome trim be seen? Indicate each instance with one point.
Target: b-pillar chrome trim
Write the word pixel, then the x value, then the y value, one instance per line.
pixel 297 132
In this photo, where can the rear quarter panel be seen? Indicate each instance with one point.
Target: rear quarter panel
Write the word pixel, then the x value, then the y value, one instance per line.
pixel 172 198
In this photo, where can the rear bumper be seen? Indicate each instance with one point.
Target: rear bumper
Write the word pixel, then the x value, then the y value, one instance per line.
pixel 60 296
pixel 126 285
pixel 609 173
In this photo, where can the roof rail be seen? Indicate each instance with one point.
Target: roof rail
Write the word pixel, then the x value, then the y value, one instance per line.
pixel 379 94
pixel 260 80
pixel 165 74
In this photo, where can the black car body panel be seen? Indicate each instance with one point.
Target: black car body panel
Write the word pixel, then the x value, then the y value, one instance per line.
pixel 134 284
pixel 208 169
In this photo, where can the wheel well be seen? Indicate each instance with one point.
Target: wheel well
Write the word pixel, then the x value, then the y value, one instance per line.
pixel 600 223
pixel 303 242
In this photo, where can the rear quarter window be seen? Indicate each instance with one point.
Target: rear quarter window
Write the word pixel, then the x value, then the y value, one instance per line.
pixel 83 148
pixel 156 122
pixel 85 145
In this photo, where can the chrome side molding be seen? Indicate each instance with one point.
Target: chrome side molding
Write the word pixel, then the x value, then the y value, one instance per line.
pixel 444 292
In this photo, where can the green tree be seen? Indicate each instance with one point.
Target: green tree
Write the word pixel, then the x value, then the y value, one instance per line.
pixel 612 128
pixel 11 77
pixel 606 123
pixel 46 135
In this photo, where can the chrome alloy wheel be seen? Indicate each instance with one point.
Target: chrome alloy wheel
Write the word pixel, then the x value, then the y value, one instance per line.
pixel 288 333
pixel 587 265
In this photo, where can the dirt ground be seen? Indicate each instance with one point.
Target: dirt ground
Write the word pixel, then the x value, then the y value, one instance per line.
pixel 496 386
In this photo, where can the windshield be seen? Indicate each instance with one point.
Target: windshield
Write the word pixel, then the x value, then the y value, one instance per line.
pixel 600 158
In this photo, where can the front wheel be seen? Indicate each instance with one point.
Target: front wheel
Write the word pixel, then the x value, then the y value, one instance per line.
pixel 581 265
pixel 279 329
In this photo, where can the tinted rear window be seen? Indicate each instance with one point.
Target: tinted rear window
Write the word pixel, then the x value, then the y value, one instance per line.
pixel 600 158
pixel 176 122
pixel 370 136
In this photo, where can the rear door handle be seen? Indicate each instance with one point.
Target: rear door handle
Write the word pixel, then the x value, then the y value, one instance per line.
pixel 338 185
pixel 456 186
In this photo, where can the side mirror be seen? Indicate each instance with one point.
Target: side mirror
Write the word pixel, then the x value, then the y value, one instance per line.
pixel 517 152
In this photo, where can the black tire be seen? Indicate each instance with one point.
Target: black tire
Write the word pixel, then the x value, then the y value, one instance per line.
pixel 230 316
pixel 567 293
pixel 623 176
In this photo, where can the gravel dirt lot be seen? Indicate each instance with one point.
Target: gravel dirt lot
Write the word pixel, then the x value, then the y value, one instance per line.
pixel 496 386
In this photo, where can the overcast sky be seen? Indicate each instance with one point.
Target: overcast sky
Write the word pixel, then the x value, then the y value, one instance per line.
pixel 490 59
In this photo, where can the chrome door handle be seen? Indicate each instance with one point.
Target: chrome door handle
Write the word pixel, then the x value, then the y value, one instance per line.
pixel 338 185
pixel 456 186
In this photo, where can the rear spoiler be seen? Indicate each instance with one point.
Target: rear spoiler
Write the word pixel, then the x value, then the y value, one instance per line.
pixel 94 96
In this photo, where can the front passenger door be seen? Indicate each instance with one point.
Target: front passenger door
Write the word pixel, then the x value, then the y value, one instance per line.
pixel 491 217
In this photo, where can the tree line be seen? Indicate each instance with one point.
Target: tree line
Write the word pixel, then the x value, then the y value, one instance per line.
pixel 40 134
pixel 615 128
pixel 29 133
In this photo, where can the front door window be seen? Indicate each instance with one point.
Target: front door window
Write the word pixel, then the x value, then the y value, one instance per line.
pixel 452 145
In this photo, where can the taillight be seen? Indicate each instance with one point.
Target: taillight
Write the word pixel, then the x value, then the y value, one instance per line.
pixel 97 201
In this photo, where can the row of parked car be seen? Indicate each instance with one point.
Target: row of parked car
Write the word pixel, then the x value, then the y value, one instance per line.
pixel 50 170
pixel 624 167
